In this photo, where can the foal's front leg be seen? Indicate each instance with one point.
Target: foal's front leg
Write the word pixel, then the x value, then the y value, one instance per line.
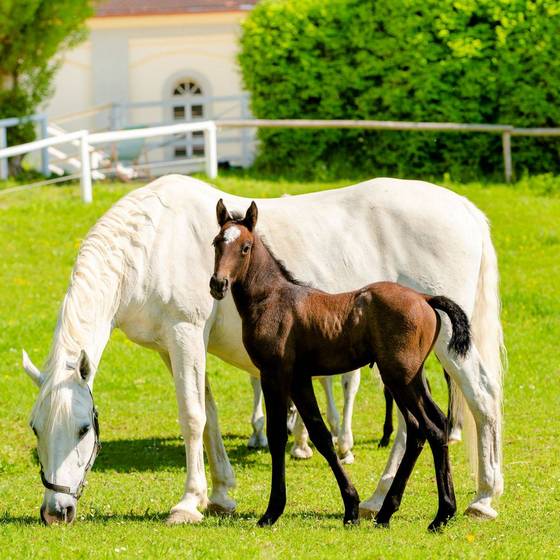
pixel 276 402
pixel 306 403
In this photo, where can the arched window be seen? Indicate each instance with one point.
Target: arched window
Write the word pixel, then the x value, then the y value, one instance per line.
pixel 188 106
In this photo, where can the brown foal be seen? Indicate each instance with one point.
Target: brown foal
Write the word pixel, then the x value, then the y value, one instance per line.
pixel 291 330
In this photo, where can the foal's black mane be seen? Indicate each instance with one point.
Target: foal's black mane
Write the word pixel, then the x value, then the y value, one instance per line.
pixel 282 267
pixel 238 219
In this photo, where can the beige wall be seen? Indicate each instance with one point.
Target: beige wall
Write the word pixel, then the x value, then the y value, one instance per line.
pixel 141 59
pixel 138 58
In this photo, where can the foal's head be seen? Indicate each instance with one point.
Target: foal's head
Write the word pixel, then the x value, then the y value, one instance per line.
pixel 233 246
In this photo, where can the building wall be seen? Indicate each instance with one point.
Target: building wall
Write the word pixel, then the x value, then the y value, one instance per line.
pixel 139 59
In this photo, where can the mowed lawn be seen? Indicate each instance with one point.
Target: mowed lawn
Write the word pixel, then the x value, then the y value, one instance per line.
pixel 140 473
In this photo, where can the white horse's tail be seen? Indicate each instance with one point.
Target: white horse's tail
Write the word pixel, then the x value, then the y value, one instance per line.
pixel 487 336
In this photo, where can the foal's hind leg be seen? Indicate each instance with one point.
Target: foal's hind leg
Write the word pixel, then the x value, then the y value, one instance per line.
pixel 414 444
pixel 430 423
pixel 304 398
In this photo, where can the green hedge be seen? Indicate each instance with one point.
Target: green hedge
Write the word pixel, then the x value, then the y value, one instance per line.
pixel 480 61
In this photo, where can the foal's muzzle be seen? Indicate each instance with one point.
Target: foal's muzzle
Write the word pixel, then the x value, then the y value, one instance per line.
pixel 218 287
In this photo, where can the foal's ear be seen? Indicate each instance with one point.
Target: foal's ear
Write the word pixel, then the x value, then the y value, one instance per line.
pixel 222 213
pixel 250 219
pixel 83 367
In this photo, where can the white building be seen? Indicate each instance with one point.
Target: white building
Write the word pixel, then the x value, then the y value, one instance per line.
pixel 157 61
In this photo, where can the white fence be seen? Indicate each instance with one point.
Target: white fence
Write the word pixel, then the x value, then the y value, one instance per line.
pixel 86 140
pixel 209 129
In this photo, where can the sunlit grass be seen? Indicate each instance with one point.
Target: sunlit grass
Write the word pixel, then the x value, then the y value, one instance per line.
pixel 140 474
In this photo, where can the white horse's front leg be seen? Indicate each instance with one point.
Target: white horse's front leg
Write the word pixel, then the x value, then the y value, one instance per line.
pixel 370 507
pixel 350 385
pixel 258 437
pixel 187 352
pixel 223 478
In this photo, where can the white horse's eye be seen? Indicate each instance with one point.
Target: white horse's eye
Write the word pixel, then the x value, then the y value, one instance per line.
pixel 83 431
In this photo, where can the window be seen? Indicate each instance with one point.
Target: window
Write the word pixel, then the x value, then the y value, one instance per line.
pixel 187 106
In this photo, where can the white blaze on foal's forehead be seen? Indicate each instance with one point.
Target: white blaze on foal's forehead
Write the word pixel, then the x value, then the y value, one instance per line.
pixel 231 234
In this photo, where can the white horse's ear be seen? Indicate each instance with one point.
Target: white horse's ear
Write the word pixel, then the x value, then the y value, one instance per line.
pixel 83 367
pixel 31 369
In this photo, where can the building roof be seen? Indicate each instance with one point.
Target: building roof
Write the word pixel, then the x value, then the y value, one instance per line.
pixel 109 8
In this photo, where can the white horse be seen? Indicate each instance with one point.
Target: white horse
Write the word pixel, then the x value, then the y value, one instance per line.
pixel 145 267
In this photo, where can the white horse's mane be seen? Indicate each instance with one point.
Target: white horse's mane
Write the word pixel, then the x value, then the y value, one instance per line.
pixel 103 265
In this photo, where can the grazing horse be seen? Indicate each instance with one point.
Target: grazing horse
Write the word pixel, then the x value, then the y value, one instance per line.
pixel 290 329
pixel 144 268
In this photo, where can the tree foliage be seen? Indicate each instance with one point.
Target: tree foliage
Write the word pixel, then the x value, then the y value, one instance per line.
pixel 32 35
pixel 479 61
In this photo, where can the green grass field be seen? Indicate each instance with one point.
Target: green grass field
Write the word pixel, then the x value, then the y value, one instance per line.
pixel 139 475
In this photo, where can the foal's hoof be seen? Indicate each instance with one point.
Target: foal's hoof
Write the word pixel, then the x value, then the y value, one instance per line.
pixel 351 521
pixel 266 520
pixel 382 524
pixel 437 525
pixel 183 516
pixel 384 441
pixel 481 511
pixel 301 452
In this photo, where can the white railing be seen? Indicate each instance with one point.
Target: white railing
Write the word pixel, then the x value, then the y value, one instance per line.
pixel 86 140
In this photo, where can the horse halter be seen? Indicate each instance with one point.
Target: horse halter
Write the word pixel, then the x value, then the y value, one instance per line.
pixel 96 449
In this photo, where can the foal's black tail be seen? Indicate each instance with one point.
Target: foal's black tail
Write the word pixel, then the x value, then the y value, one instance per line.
pixel 460 341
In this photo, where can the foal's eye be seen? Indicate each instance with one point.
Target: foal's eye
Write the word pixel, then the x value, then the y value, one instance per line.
pixel 83 431
pixel 245 249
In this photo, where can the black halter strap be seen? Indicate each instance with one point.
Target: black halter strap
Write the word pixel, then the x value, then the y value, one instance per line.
pixel 96 449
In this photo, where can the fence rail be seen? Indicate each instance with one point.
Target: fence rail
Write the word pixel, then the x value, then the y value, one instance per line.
pixel 209 128
pixel 86 139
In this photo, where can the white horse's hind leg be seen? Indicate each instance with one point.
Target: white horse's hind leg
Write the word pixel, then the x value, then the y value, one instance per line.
pixel 223 478
pixel 350 384
pixel 300 448
pixel 370 507
pixel 187 351
pixel 258 437
pixel 483 395
pixel 333 418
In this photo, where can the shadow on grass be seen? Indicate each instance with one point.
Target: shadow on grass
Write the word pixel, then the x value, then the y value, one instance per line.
pixel 156 454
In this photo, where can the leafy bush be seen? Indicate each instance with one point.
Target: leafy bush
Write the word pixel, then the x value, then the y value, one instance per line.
pixel 480 61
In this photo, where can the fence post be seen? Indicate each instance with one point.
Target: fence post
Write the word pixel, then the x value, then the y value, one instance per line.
pixel 85 179
pixel 211 150
pixel 506 146
pixel 4 160
pixel 45 151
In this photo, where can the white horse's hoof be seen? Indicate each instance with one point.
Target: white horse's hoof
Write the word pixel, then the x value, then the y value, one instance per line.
pixel 301 452
pixel 455 436
pixel 225 508
pixel 482 511
pixel 366 513
pixel 257 441
pixel 183 516
pixel 347 458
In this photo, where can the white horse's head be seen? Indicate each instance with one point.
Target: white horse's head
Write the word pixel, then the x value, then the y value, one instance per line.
pixel 64 420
